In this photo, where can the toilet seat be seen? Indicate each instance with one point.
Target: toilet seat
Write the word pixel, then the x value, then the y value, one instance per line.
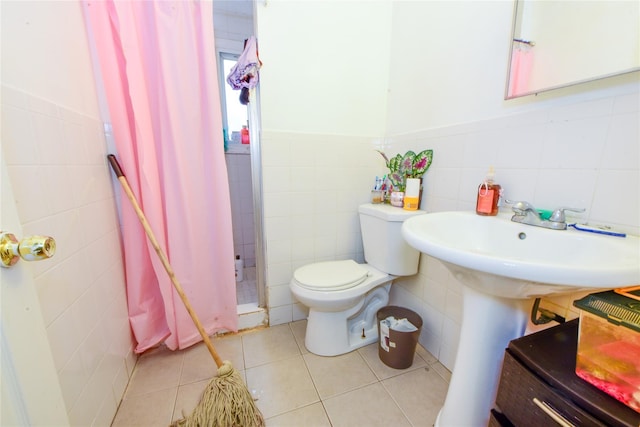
pixel 331 275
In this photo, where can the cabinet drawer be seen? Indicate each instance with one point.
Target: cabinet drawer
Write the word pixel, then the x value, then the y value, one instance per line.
pixel 527 401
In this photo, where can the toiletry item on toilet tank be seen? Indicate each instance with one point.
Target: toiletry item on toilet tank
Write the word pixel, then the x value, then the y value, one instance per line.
pixel 488 195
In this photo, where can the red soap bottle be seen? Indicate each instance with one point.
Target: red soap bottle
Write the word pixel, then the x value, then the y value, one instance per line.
pixel 488 196
pixel 244 135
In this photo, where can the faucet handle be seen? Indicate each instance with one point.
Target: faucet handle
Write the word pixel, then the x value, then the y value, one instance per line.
pixel 520 205
pixel 558 214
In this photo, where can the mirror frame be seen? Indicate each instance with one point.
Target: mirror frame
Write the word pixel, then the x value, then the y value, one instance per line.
pixel 516 39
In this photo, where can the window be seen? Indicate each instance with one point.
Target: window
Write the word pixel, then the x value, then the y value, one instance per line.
pixel 234 114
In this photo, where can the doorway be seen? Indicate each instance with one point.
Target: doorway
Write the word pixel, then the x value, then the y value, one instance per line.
pixel 235 122
pixel 233 24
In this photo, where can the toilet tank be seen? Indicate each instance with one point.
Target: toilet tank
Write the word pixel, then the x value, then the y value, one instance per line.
pixel 384 246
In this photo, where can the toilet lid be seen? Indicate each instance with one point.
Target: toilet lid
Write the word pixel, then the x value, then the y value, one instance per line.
pixel 330 276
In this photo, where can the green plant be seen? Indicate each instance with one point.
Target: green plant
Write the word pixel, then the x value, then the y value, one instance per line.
pixel 411 165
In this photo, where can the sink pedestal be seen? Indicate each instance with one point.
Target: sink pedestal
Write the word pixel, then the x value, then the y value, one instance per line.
pixel 488 324
pixel 503 265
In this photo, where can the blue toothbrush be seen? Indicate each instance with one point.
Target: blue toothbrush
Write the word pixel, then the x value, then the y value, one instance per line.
pixel 597 230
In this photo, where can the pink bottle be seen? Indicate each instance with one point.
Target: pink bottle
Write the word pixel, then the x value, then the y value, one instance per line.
pixel 244 135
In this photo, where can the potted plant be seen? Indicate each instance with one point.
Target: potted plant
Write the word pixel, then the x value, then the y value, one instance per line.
pixel 410 165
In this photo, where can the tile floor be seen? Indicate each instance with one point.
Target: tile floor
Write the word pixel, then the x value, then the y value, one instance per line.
pixel 292 386
pixel 246 291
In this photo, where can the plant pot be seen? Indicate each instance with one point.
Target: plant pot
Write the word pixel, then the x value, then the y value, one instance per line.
pixel 397 198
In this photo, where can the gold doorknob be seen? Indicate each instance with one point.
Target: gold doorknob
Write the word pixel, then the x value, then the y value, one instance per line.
pixel 31 248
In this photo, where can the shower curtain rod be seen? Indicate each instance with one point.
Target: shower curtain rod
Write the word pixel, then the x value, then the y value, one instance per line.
pixel 529 42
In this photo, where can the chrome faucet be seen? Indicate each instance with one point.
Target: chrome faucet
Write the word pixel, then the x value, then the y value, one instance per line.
pixel 525 213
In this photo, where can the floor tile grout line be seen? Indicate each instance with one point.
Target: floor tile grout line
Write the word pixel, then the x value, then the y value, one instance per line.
pixel 326 413
pixel 321 399
pixel 367 356
pixel 272 361
pixel 175 401
pixel 175 406
pixel 301 355
pixel 313 381
pixel 295 339
pixel 395 400
pixel 366 362
pixel 437 371
pixel 297 409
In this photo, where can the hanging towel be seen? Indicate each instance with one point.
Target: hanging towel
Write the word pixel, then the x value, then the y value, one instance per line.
pixel 521 66
pixel 245 73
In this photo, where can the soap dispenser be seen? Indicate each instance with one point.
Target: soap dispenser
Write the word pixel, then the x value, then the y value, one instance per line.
pixel 488 195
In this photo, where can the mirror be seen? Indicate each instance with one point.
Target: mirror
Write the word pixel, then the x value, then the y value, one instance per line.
pixel 558 43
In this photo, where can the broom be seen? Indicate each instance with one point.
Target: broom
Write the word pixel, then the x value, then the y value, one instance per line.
pixel 226 402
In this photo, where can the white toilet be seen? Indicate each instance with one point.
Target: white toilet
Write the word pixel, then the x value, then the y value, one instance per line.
pixel 343 296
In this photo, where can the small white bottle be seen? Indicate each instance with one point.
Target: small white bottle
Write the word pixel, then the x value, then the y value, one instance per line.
pixel 239 269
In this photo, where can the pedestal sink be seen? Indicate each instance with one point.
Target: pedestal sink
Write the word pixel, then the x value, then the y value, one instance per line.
pixel 503 265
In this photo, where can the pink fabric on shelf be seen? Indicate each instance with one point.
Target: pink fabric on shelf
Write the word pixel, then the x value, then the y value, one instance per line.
pixel 157 64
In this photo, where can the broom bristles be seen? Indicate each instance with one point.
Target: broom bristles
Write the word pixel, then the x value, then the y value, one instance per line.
pixel 226 402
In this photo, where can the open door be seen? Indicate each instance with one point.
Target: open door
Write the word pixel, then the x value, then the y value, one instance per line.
pixel 30 389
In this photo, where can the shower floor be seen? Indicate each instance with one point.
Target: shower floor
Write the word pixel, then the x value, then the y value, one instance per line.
pixel 246 291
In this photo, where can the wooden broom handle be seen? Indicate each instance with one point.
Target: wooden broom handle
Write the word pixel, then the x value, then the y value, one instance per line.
pixel 163 258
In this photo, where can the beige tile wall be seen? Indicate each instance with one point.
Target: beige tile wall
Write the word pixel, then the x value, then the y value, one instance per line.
pixel 582 154
pixel 63 187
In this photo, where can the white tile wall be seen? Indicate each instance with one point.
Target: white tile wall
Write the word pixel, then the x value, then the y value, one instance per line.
pixel 239 172
pixel 313 185
pixel 68 194
pixel 233 20
pixel 583 154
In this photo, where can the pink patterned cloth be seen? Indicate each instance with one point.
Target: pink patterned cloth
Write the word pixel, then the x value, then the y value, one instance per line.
pixel 156 60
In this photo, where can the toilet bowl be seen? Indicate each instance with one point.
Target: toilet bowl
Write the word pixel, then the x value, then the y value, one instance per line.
pixel 343 296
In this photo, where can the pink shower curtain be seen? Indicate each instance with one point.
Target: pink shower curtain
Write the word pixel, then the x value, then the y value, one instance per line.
pixel 157 64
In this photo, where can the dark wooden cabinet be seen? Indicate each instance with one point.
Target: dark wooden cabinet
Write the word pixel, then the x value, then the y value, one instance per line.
pixel 539 387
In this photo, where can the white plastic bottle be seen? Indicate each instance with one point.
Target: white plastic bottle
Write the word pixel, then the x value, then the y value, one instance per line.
pixel 239 269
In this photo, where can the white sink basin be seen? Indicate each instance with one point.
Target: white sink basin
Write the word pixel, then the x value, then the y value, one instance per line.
pixel 507 259
pixel 502 265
